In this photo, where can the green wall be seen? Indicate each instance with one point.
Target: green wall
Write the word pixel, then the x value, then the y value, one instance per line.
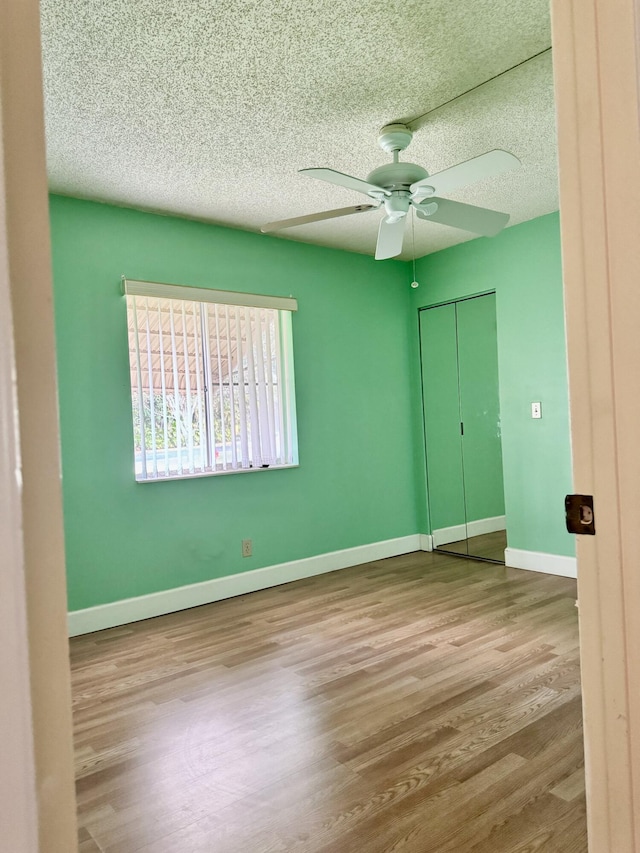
pixel 362 470
pixel 523 266
pixel 354 352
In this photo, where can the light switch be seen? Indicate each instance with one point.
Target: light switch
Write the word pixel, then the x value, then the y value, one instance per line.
pixel 536 410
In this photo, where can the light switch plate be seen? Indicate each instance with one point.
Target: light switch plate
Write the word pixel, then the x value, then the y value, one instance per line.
pixel 536 410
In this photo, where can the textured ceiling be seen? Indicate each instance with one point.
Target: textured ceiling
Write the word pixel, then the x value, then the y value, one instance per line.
pixel 207 108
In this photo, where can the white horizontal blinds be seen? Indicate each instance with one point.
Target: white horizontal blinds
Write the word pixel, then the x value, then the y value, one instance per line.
pixel 211 385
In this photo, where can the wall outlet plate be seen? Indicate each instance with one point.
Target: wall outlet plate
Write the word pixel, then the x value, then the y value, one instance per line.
pixel 247 547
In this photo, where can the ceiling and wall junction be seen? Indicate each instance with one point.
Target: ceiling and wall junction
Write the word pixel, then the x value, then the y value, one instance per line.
pixel 208 109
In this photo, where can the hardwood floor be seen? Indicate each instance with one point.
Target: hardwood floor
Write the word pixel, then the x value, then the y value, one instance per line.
pixel 421 704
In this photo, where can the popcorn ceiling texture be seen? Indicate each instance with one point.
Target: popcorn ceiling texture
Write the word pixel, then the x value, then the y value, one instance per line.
pixel 207 108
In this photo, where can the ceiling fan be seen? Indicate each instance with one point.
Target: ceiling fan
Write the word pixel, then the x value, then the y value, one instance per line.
pixel 401 186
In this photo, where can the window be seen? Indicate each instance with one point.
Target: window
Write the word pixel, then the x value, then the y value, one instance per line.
pixel 211 381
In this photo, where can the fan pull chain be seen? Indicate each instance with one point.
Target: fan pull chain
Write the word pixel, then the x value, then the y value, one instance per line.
pixel 414 283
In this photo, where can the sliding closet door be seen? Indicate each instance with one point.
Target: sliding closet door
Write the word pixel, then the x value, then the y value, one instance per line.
pixel 459 351
pixel 438 344
pixel 480 415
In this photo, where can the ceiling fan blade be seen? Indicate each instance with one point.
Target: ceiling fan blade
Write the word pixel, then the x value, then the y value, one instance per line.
pixel 478 220
pixel 347 181
pixel 317 217
pixel 484 166
pixel 390 237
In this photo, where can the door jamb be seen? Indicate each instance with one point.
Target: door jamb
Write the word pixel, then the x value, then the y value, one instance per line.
pixel 596 53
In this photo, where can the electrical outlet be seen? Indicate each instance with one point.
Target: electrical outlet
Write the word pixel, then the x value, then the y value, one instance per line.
pixel 247 547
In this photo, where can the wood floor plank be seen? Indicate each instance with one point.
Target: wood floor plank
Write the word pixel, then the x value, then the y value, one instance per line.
pixel 571 787
pixel 421 704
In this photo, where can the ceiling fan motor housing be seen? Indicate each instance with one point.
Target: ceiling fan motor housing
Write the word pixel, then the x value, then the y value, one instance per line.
pixel 397 176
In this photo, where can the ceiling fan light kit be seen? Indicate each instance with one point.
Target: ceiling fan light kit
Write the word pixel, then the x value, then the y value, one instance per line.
pixel 401 186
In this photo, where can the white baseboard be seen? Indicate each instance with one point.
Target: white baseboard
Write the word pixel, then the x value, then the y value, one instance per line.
pixel 538 561
pixel 444 535
pixel 168 601
pixel 426 542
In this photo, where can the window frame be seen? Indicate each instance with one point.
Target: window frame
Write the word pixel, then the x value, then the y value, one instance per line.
pixel 285 306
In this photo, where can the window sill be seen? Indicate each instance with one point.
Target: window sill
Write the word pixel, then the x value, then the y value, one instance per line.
pixel 199 474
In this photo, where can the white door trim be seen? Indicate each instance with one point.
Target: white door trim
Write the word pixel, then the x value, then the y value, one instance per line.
pixel 18 813
pixel 597 91
pixel 37 804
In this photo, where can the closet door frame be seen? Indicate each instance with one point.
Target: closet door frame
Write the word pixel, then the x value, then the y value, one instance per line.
pixel 441 304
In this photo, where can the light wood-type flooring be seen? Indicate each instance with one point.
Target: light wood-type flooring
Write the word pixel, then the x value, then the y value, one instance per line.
pixel 421 704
